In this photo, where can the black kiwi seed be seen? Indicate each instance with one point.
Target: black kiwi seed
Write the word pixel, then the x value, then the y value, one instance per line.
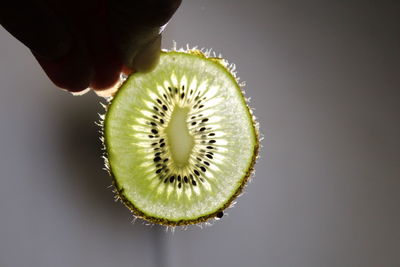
pixel 220 214
pixel 171 179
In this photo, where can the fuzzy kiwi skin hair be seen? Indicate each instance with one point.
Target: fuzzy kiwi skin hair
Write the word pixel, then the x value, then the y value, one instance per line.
pixel 119 191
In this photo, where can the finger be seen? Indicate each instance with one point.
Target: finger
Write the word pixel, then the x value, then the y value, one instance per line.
pixel 107 69
pixel 148 57
pixel 87 20
pixel 37 27
pixel 137 24
pixel 129 43
pixel 72 72
pixel 107 64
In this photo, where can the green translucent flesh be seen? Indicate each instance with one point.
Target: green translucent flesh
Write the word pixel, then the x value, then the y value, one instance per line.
pixel 131 154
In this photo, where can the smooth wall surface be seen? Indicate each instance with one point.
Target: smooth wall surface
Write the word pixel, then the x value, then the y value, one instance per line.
pixel 324 78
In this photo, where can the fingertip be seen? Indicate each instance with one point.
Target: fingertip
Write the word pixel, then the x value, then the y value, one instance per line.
pixel 72 72
pixel 107 73
pixel 65 76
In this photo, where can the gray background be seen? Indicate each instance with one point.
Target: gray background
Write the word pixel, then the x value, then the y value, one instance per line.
pixel 324 77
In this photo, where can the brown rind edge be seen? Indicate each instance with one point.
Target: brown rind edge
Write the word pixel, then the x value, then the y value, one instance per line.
pixel 119 192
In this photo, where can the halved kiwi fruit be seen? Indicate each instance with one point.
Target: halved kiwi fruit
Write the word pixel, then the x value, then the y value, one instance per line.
pixel 180 140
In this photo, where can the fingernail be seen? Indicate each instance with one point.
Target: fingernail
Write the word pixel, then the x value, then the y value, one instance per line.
pixel 148 57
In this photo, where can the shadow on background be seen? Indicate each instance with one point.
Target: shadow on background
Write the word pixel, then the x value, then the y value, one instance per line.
pixel 80 151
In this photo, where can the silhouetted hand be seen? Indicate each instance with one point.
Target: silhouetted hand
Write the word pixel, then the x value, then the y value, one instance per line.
pixel 88 43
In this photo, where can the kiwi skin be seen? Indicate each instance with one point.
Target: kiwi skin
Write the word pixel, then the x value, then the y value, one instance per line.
pixel 137 213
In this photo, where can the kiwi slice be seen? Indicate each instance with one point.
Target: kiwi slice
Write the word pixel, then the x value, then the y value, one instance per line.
pixel 180 140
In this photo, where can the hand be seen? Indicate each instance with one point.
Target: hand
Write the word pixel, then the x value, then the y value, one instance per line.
pixel 84 44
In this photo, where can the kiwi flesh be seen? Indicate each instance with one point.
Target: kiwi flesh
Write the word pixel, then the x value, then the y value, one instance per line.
pixel 180 141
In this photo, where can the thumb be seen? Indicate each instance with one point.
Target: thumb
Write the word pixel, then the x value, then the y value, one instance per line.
pixel 136 27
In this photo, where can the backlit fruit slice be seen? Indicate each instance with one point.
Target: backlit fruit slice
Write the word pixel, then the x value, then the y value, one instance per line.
pixel 181 142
